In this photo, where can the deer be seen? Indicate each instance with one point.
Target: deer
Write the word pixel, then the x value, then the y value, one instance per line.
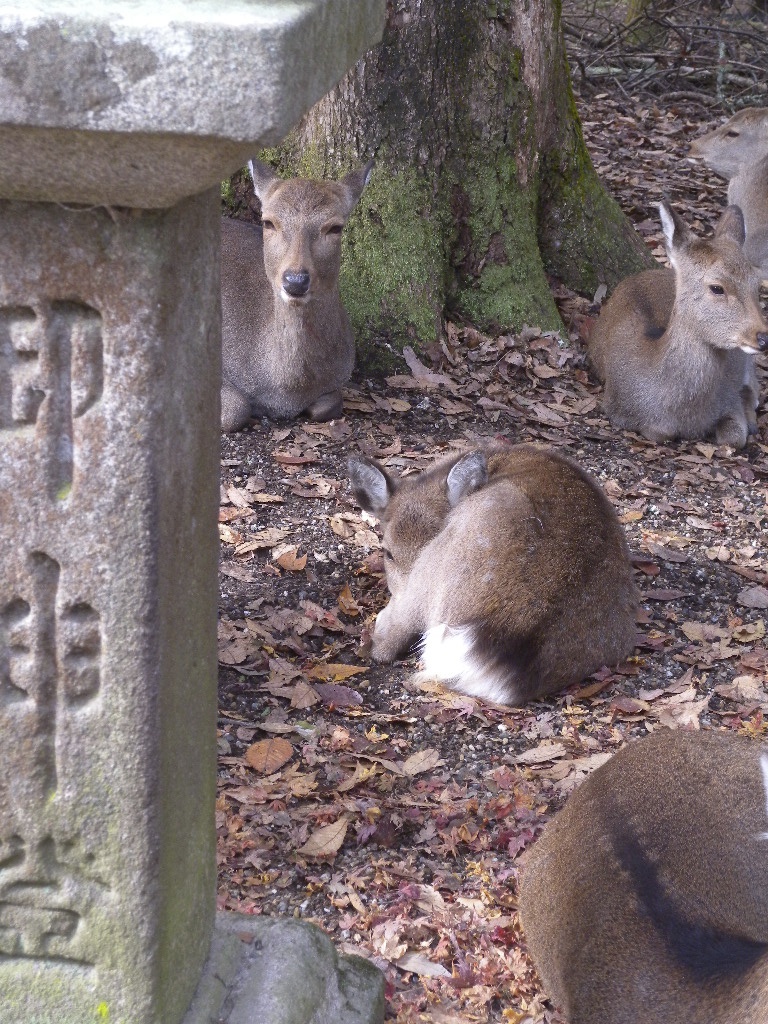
pixel 646 897
pixel 742 139
pixel 675 347
pixel 287 343
pixel 506 565
pixel 738 151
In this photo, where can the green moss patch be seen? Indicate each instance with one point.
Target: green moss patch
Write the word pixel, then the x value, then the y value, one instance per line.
pixel 392 276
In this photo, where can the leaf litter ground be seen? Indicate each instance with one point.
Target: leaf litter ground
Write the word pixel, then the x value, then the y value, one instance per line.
pixel 392 812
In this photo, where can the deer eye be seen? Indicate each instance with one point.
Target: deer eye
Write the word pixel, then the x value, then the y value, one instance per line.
pixel 334 229
pixel 387 554
pixel 717 289
pixel 268 225
pixel 732 134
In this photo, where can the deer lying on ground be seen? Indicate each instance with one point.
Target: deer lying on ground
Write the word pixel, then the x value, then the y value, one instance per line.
pixel 738 150
pixel 646 898
pixel 509 563
pixel 287 343
pixel 676 347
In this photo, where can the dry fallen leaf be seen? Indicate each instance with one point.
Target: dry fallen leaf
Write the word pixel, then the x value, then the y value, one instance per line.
pixel 287 557
pixel 238 572
pixel 331 672
pixel 263 539
pixel 544 752
pixel 703 631
pixel 749 632
pixel 347 602
pixel 334 695
pixel 266 756
pixel 360 774
pixel 267 499
pixel 303 696
pixel 326 842
pixel 422 761
pixel 229 536
pixel 420 371
pixel 752 597
pixel 419 964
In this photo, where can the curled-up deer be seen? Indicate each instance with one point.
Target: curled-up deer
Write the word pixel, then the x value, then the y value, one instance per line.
pixel 738 150
pixel 676 347
pixel 510 566
pixel 287 343
pixel 646 898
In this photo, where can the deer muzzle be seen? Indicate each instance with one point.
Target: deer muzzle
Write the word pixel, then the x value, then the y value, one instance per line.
pixel 296 283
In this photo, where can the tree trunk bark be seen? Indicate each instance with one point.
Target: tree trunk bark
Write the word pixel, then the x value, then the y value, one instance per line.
pixel 482 183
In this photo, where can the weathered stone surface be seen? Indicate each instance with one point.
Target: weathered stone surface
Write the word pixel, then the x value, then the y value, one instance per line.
pixel 143 103
pixel 109 440
pixel 271 971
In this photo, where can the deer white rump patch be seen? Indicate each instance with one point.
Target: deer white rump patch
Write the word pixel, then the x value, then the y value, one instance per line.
pixel 449 653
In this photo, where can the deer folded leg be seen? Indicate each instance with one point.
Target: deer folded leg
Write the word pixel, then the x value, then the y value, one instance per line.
pixel 394 632
pixel 235 408
pixel 326 407
pixel 731 430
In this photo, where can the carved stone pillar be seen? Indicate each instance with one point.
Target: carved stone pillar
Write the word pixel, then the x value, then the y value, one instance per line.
pixel 115 127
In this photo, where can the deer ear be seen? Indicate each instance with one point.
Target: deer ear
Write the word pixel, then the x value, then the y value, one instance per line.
pixel 355 182
pixel 731 225
pixel 468 475
pixel 263 177
pixel 371 485
pixel 676 233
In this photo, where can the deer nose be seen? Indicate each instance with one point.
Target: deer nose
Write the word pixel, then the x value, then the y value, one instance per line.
pixel 762 341
pixel 296 282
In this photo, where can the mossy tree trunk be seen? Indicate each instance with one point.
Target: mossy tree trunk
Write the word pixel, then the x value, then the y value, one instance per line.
pixel 482 183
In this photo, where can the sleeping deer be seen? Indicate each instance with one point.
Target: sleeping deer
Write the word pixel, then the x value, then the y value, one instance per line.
pixel 286 341
pixel 738 150
pixel 676 347
pixel 507 564
pixel 646 898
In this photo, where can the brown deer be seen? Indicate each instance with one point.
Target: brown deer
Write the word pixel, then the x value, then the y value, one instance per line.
pixel 508 564
pixel 287 343
pixel 738 150
pixel 676 347
pixel 742 139
pixel 646 898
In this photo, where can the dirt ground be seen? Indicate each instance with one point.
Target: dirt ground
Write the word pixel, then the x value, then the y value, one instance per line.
pixel 392 812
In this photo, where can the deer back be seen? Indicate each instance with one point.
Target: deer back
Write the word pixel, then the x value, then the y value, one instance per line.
pixel 646 898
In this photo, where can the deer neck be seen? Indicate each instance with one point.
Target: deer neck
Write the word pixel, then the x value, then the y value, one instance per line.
pixel 297 319
pixel 687 356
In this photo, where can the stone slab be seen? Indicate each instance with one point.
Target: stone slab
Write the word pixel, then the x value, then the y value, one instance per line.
pixel 109 447
pixel 274 971
pixel 143 103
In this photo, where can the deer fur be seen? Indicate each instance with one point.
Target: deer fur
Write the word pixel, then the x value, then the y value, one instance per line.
pixel 507 564
pixel 287 343
pixel 742 139
pixel 676 347
pixel 646 898
pixel 738 150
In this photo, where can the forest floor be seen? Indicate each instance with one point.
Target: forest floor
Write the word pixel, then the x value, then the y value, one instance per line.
pixel 392 812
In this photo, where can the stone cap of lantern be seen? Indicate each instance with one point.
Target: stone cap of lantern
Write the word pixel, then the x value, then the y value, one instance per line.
pixel 143 102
